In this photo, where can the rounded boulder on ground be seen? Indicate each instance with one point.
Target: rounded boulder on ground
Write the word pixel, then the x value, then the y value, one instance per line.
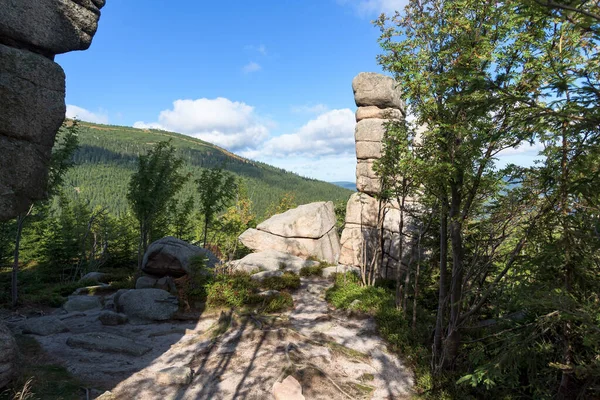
pixel 142 305
pixel 174 257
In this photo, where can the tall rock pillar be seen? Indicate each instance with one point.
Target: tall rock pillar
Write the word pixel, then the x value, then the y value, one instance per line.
pixel 32 89
pixel 368 222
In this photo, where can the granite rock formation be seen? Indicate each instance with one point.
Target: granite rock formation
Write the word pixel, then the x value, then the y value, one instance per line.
pixel 367 220
pixel 305 231
pixel 32 89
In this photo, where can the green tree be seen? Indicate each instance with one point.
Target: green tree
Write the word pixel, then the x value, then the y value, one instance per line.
pixel 216 189
pixel 66 143
pixel 482 77
pixel 236 219
pixel 157 180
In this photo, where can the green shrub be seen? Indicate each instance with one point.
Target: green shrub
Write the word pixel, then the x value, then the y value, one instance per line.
pixel 280 302
pixel 347 289
pixel 288 280
pixel 127 282
pixel 315 270
pixel 233 290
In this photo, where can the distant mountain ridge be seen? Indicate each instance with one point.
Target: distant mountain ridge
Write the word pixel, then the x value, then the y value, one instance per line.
pixel 107 157
pixel 346 185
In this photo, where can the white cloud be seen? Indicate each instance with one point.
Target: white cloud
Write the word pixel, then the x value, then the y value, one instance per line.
pixel 86 115
pixel 261 49
pixel 233 125
pixel 322 148
pixel 330 134
pixel 310 109
pixel 522 149
pixel 251 67
pixel 375 7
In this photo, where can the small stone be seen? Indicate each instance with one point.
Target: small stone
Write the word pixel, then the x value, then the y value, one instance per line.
pixel 112 318
pixel 355 304
pixel 82 303
pixel 174 376
pixel 288 389
pixel 269 293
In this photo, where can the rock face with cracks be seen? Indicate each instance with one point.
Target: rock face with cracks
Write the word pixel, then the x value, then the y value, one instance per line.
pixel 305 231
pixel 32 89
pixel 8 355
pixel 369 222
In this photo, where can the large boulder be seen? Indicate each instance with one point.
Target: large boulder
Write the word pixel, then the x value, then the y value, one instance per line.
pixel 32 89
pixel 372 89
pixel 271 260
pixel 305 231
pixel 143 305
pixel 174 257
pixel 8 355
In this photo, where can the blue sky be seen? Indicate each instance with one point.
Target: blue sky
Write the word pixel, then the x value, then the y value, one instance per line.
pixel 270 80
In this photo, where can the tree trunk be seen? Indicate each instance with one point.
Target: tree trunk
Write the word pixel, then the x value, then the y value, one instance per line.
pixel 400 251
pixel 205 231
pixel 453 339
pixel 566 382
pixel 416 291
pixel 15 268
pixel 439 324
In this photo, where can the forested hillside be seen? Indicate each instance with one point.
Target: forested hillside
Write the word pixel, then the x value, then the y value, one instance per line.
pixel 107 157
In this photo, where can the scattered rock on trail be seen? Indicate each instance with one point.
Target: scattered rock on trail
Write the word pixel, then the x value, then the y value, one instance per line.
pixel 288 389
pixel 44 326
pixel 8 355
pixel 82 303
pixel 107 343
pixel 99 277
pixel 147 305
pixel 268 293
pixel 174 257
pixel 271 260
pixel 174 376
pixel 305 231
pixel 112 318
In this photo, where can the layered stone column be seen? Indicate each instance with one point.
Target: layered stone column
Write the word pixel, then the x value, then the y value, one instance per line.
pixel 370 223
pixel 32 89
